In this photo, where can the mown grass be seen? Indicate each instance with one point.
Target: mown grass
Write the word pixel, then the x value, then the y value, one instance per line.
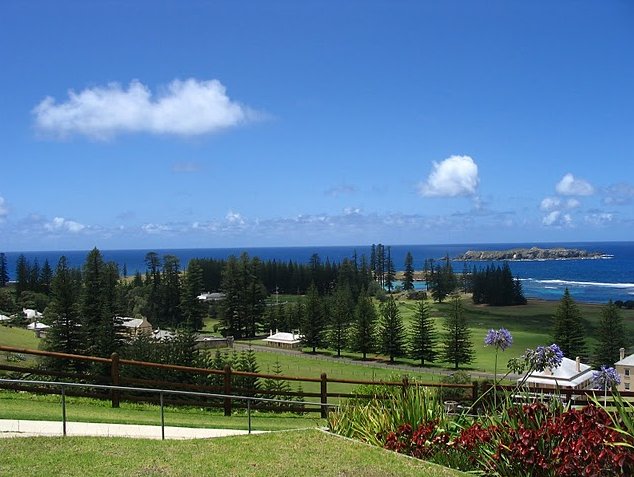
pixel 21 405
pixel 295 453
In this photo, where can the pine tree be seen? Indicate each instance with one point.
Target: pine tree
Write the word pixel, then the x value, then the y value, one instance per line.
pixel 21 276
pixel 193 309
pixel 276 388
pixel 391 330
pixel 64 336
pixel 170 293
pixel 568 329
pixel 458 348
pixel 153 280
pixel 408 276
pixel 422 337
pixel 610 335
pixel 4 272
pixel 362 337
pixel 313 323
pixel 91 302
pixel 390 272
pixel 46 277
pixel 341 317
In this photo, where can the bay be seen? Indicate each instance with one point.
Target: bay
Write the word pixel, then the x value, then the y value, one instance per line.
pixel 589 280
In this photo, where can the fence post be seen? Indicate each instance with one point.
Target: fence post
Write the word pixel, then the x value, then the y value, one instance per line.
pixel 474 391
pixel 227 390
pixel 405 385
pixel 324 395
pixel 114 375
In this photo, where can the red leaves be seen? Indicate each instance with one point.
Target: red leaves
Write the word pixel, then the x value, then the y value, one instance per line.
pixel 533 442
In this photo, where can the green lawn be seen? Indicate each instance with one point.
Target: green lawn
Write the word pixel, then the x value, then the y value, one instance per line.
pixel 296 453
pixel 48 408
pixel 20 338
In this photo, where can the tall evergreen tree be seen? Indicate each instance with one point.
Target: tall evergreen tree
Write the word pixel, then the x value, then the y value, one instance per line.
pixel 4 272
pixel 170 293
pixel 408 276
pixel 193 309
pixel 313 322
pixel 64 336
pixel 422 336
pixel 610 335
pixel 153 281
pixel 362 339
pixel 341 317
pixel 92 300
pixel 568 330
pixel 391 330
pixel 21 276
pixel 458 348
pixel 390 271
pixel 46 277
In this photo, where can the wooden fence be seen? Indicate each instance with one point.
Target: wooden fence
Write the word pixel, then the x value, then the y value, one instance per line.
pixel 123 372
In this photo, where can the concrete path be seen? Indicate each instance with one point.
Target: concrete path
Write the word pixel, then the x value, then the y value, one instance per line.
pixel 24 428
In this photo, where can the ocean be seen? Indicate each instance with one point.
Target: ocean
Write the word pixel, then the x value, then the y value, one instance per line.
pixel 589 280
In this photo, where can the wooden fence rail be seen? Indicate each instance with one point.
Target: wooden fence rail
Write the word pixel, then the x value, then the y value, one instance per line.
pixel 123 371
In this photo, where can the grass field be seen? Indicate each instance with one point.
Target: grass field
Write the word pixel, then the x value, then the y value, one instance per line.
pixel 48 408
pixel 294 453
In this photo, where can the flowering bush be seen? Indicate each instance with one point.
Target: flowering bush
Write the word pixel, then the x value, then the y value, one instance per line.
pixel 606 378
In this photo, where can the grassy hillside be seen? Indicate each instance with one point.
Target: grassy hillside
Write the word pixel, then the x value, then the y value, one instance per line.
pixel 295 454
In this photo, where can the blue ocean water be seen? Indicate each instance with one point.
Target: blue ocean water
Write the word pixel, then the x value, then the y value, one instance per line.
pixel 590 280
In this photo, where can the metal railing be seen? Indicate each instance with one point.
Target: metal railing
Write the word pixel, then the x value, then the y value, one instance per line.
pixel 161 392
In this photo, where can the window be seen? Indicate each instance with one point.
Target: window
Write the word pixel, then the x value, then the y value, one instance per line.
pixel 627 371
pixel 627 386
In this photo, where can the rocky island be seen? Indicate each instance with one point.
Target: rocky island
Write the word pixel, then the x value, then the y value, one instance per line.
pixel 533 253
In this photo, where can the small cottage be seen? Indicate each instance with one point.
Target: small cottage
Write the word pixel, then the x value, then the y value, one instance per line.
pixel 571 374
pixel 135 326
pixel 281 339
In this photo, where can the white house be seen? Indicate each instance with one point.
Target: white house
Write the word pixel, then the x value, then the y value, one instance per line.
pixel 32 315
pixel 39 328
pixel 281 339
pixel 5 318
pixel 625 367
pixel 571 374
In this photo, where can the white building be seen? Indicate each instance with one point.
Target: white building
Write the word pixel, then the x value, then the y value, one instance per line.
pixel 209 296
pixel 135 326
pixel 39 328
pixel 32 315
pixel 281 339
pixel 625 367
pixel 571 374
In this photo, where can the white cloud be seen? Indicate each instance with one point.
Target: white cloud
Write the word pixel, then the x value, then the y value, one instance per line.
pixel 184 108
pixel 572 203
pixel 4 209
pixel 453 177
pixel 550 203
pixel 234 218
pixel 60 224
pixel 557 219
pixel 600 218
pixel 568 185
pixel 618 194
pixel 154 229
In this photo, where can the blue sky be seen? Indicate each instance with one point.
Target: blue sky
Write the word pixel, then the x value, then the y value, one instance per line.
pixel 165 124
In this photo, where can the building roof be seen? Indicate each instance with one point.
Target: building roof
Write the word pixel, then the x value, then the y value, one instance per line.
pixel 37 326
pixel 627 361
pixel 162 334
pixel 4 318
pixel 284 337
pixel 31 314
pixel 132 322
pixel 215 296
pixel 566 375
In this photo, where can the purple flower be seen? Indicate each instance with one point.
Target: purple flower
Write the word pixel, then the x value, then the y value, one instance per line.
pixel 606 378
pixel 501 338
pixel 544 357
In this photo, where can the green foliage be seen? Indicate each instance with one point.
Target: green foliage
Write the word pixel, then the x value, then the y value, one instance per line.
pixel 362 337
pixel 371 421
pixel 443 281
pixel 496 286
pixel 422 335
pixel 455 394
pixel 568 329
pixel 313 321
pixel 458 348
pixel 341 316
pixel 408 276
pixel 391 330
pixel 4 272
pixel 611 336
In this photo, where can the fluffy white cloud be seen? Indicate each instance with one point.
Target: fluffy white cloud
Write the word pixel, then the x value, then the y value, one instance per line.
pixel 60 224
pixel 550 203
pixel 599 218
pixel 455 176
pixel 557 219
pixel 618 194
pixel 4 210
pixel 154 229
pixel 184 108
pixel 234 218
pixel 568 185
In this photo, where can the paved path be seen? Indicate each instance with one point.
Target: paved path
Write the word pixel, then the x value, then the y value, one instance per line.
pixel 24 428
